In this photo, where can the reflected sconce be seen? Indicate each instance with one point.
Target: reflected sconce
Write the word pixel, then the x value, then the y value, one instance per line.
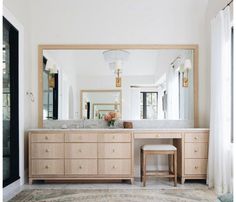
pixel 115 60
pixel 183 66
pixel 185 73
pixel 118 78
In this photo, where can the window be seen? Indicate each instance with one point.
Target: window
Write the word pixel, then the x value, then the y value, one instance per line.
pixel 148 105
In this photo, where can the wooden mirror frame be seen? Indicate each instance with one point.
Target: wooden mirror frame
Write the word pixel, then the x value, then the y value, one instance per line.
pixel 97 91
pixel 43 47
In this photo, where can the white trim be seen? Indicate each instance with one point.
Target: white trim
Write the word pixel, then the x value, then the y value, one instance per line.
pixel 11 190
pixel 10 17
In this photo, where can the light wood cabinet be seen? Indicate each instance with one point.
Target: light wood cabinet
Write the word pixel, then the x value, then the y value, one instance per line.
pixel 47 167
pixel 195 158
pixel 114 150
pixel 109 154
pixel 114 167
pixel 81 166
pixel 192 150
pixel 47 150
pixel 80 155
pixel 195 166
pixel 81 150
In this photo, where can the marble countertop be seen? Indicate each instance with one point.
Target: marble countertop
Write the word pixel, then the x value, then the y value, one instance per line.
pixel 119 129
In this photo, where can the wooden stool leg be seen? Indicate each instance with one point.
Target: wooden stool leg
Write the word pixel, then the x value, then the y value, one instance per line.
pixel 175 168
pixel 144 168
pixel 170 165
pixel 141 165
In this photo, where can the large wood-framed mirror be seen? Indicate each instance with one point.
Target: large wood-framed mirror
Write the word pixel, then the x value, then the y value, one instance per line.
pixel 155 81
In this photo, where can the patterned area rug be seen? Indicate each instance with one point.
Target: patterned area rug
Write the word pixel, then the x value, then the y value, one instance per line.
pixel 112 195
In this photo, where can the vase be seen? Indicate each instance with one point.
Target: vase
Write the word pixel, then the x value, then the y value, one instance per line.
pixel 111 124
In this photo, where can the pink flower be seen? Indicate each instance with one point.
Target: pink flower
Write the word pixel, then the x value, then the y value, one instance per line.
pixel 107 117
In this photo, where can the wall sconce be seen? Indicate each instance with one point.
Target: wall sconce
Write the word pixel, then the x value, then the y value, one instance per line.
pixel 115 60
pixel 183 67
pixel 118 78
pixel 187 67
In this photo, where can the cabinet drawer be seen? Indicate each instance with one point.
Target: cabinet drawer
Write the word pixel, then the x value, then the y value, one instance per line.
pixel 47 150
pixel 81 166
pixel 157 135
pixel 196 150
pixel 47 137
pixel 114 137
pixel 47 167
pixel 196 137
pixel 114 150
pixel 112 167
pixel 81 137
pixel 80 150
pixel 195 166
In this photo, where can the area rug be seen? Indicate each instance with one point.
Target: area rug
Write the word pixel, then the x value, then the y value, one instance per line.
pixel 112 195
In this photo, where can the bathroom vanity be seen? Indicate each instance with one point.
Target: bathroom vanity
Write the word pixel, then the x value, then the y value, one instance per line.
pixel 166 97
pixel 108 154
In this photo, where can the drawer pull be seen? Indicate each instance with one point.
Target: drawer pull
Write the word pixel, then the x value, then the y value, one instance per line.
pixel 113 137
pixel 46 137
pixel 80 150
pixel 46 167
pixel 195 150
pixel 196 167
pixel 113 167
pixel 195 138
pixel 113 150
pixel 80 167
pixel 157 135
pixel 47 150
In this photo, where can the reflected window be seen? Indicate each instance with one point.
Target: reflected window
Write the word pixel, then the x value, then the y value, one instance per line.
pixel 148 105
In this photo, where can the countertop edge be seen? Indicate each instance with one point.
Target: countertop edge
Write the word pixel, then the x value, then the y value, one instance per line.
pixel 137 130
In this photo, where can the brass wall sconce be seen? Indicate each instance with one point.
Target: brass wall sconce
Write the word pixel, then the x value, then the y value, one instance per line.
pixel 118 78
pixel 185 73
pixel 183 66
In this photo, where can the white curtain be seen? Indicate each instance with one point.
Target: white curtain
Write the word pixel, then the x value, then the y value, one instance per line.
pixel 220 151
pixel 172 95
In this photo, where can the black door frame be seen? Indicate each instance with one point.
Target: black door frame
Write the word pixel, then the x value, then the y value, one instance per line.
pixel 14 101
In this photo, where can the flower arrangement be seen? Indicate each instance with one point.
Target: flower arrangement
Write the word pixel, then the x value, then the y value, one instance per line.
pixel 111 117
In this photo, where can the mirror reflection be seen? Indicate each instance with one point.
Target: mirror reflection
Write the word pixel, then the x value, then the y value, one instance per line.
pixel 97 103
pixel 135 83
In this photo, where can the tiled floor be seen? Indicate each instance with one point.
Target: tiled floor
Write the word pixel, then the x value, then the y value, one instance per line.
pixel 151 184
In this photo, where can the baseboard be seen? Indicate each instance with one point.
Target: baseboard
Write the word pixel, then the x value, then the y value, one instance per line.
pixel 11 190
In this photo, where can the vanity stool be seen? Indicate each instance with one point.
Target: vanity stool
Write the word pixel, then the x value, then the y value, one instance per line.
pixel 169 150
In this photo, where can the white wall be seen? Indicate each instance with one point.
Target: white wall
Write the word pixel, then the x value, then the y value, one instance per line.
pixel 113 22
pixel 16 14
pixel 117 22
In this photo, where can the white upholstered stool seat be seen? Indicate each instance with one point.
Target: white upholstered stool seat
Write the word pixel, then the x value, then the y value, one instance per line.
pixel 160 147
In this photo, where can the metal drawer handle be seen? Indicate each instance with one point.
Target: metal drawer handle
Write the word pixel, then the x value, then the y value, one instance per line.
pixel 195 150
pixel 46 137
pixel 113 137
pixel 113 167
pixel 80 150
pixel 113 150
pixel 195 138
pixel 80 167
pixel 196 167
pixel 46 150
pixel 46 167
